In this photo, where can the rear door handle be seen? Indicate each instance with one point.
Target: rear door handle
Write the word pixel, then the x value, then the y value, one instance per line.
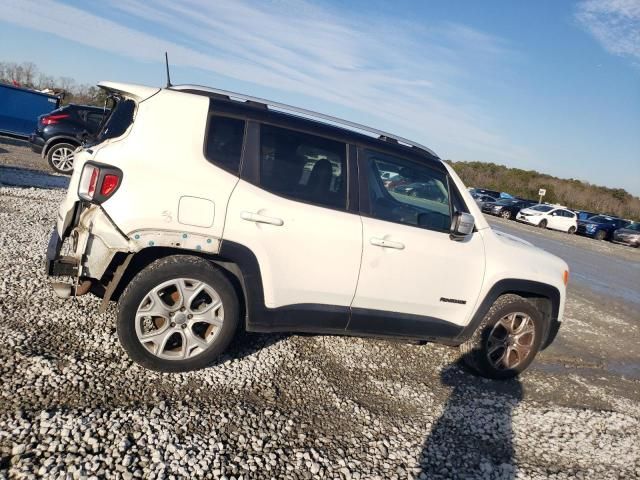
pixel 381 242
pixel 257 218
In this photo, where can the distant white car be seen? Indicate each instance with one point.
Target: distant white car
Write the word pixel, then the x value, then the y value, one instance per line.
pixel 549 216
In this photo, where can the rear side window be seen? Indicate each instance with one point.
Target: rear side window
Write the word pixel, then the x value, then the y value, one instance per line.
pixel 224 142
pixel 303 167
pixel 118 121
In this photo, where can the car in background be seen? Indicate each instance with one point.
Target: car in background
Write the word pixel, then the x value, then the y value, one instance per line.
pixel 549 216
pixel 601 227
pixel 59 133
pixel 506 208
pixel 482 199
pixel 629 235
pixel 484 191
pixel 584 215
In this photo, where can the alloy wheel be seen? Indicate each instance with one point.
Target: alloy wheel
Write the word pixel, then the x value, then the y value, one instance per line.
pixel 62 159
pixel 179 319
pixel 511 341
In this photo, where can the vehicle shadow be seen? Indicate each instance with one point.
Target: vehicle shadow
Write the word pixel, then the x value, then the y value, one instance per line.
pixel 24 177
pixel 473 437
pixel 245 344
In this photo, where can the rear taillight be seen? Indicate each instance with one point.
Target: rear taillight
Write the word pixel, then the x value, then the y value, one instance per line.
pixel 98 182
pixel 109 184
pixel 53 119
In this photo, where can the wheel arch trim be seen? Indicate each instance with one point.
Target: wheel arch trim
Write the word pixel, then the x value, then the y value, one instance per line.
pixel 55 140
pixel 527 289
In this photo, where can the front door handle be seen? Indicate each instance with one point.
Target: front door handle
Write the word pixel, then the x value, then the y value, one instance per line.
pixel 381 242
pixel 257 218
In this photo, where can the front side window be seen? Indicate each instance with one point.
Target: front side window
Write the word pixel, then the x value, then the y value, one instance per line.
pixel 417 195
pixel 303 167
pixel 224 142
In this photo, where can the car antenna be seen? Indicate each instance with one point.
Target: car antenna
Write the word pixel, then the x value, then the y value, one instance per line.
pixel 166 63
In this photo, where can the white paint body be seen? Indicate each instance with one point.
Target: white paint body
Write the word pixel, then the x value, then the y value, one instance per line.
pixel 307 254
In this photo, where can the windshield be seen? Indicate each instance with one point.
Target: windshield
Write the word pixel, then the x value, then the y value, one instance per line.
pixel 119 120
pixel 541 208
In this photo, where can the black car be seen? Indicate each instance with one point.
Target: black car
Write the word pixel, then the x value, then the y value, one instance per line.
pixel 484 191
pixel 60 132
pixel 507 208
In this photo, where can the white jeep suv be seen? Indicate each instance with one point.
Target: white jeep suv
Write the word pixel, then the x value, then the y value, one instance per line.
pixel 201 211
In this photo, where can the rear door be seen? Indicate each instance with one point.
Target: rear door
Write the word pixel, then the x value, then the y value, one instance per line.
pixel 290 211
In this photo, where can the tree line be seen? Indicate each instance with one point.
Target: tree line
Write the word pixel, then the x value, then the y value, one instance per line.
pixel 27 75
pixel 572 193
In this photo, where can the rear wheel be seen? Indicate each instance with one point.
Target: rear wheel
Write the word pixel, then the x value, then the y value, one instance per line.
pixel 507 339
pixel 60 157
pixel 506 214
pixel 543 224
pixel 600 235
pixel 571 230
pixel 178 314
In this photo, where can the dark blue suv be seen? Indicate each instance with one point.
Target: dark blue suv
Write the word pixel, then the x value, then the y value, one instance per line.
pixel 600 227
pixel 60 132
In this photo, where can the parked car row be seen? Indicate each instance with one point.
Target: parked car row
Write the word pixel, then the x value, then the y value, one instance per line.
pixel 557 217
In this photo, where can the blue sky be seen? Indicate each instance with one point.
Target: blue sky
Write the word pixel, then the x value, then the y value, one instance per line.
pixel 548 85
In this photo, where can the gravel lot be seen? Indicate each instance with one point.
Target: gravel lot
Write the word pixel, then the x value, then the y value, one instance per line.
pixel 72 404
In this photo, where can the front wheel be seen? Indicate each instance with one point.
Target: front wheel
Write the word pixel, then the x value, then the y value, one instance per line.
pixel 60 157
pixel 543 224
pixel 178 314
pixel 507 339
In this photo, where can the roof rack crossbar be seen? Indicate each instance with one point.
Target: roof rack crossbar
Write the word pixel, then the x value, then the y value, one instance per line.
pixel 306 113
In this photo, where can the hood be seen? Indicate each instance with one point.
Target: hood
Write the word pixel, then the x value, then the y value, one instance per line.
pixel 529 211
pixel 507 237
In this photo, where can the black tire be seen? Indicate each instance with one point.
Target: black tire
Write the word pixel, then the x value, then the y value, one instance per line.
pixel 164 270
pixel 571 230
pixel 475 351
pixel 55 151
pixel 543 224
pixel 600 235
pixel 506 214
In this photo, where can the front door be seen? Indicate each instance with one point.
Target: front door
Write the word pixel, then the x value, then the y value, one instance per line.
pixel 414 280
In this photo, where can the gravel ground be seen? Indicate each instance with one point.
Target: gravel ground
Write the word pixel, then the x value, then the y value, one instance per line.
pixel 73 406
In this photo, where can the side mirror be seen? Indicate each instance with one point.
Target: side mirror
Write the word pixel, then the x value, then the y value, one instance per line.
pixel 462 225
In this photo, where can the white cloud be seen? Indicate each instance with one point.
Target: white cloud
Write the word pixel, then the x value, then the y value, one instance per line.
pixel 614 23
pixel 410 76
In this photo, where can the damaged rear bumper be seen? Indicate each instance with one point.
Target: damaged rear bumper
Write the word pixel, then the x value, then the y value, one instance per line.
pixel 93 241
pixel 57 265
